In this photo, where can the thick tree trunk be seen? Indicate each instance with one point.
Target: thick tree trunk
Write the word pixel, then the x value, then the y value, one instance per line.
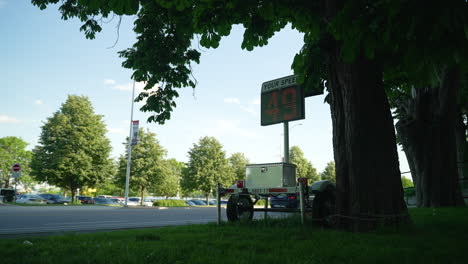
pixel 461 135
pixel 428 139
pixel 369 189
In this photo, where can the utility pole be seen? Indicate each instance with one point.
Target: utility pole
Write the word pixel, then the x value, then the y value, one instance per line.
pixel 129 149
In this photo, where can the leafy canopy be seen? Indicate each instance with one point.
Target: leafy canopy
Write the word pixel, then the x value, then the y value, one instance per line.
pixel 206 167
pixel 148 165
pixel 13 150
pixel 73 151
pixel 304 167
pixel 237 162
pixel 412 42
pixel 329 172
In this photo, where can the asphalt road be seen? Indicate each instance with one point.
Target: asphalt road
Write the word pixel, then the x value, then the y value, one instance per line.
pixel 27 220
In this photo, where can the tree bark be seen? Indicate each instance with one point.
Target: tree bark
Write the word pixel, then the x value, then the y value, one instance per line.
pixel 428 138
pixel 369 189
pixel 462 150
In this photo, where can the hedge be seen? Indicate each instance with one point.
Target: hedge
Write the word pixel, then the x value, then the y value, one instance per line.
pixel 169 203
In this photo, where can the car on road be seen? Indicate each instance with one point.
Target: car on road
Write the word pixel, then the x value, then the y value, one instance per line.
pixel 104 201
pixel 284 200
pixel 55 198
pixel 31 199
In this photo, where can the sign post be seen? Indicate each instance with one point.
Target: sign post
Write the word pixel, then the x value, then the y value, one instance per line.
pixel 16 173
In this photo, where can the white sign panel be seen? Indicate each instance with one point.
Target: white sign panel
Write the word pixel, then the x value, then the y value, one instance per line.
pixel 280 83
pixel 16 170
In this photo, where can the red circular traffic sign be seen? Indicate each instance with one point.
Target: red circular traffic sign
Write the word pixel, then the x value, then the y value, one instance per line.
pixel 16 167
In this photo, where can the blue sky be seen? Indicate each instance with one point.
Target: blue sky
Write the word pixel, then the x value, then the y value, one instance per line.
pixel 43 59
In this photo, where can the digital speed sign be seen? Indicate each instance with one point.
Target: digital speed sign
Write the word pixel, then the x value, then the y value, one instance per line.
pixel 281 100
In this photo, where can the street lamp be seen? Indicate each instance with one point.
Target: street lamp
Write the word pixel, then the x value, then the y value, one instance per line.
pixel 283 150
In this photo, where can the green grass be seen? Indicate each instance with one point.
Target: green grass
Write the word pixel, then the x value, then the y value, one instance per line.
pixel 437 236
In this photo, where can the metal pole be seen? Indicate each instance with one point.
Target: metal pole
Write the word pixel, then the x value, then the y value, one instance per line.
pixel 218 202
pixel 286 141
pixel 129 150
pixel 301 197
pixel 265 213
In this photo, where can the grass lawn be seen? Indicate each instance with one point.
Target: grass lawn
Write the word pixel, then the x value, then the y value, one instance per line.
pixel 437 236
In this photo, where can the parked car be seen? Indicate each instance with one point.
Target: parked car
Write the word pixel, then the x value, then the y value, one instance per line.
pixel 55 198
pixel 190 203
pixel 85 199
pixel 119 200
pixel 284 200
pixel 198 202
pixel 103 201
pixel 133 201
pixel 31 199
pixel 148 201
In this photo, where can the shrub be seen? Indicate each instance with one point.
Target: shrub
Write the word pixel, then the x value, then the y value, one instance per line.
pixel 169 203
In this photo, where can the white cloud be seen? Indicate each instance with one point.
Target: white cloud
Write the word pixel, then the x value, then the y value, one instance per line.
pixel 232 100
pixel 231 127
pixel 248 109
pixel 123 87
pixel 39 102
pixel 119 131
pixel 255 101
pixel 109 82
pixel 8 119
pixel 139 86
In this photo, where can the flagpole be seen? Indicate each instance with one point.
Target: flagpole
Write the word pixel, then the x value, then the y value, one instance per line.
pixel 129 150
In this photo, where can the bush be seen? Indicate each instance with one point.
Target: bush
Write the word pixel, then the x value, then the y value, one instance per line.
pixel 169 203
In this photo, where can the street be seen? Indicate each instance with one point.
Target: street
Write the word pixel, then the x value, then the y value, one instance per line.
pixel 24 220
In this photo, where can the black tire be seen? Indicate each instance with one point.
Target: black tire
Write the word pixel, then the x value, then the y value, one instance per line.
pixel 323 207
pixel 239 208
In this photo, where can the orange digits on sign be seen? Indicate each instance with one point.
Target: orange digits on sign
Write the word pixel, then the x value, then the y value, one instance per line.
pixel 272 106
pixel 289 102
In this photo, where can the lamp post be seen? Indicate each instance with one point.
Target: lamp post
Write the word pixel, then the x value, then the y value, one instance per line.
pixel 285 134
pixel 129 150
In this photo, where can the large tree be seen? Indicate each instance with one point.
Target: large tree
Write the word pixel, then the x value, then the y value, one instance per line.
pixel 73 150
pixel 148 166
pixel 304 167
pixel 169 185
pixel 206 167
pixel 238 161
pixel 347 47
pixel 13 150
pixel 430 95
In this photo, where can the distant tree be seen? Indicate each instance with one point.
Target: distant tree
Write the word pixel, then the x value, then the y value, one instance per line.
pixel 73 150
pixel 406 182
pixel 148 167
pixel 237 162
pixel 169 185
pixel 13 150
pixel 206 167
pixel 304 167
pixel 329 172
